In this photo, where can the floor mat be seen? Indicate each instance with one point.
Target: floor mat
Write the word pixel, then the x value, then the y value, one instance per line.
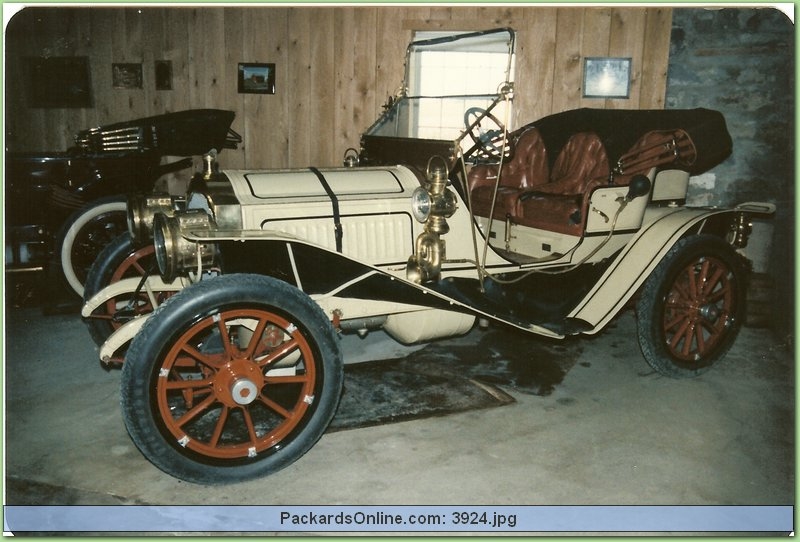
pixel 453 375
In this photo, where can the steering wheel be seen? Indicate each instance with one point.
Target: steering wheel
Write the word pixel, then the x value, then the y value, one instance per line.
pixel 488 140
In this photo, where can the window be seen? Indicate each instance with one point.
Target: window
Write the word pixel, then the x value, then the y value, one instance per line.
pixel 453 72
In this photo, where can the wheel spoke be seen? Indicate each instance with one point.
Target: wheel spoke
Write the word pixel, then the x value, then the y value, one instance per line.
pixel 700 340
pixel 275 407
pixel 714 281
pixel 251 429
pixel 205 359
pixel 294 379
pixel 197 409
pixel 684 291
pixel 702 277
pixel 691 287
pixel 188 384
pixel 687 339
pixel 678 314
pixel 278 353
pixel 229 348
pixel 675 339
pixel 137 266
pixel 220 426
pixel 718 294
pixel 255 340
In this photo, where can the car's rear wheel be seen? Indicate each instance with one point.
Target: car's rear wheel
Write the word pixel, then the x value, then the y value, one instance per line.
pixel 119 260
pixel 692 307
pixel 233 378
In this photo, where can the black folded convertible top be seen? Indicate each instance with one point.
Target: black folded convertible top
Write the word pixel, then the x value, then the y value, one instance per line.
pixel 183 133
pixel 619 129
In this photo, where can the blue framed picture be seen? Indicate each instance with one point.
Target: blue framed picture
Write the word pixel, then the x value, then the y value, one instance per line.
pixel 605 77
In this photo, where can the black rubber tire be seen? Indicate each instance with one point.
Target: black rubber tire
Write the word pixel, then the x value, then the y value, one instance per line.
pixel 727 315
pixel 185 312
pixel 101 274
pixel 85 234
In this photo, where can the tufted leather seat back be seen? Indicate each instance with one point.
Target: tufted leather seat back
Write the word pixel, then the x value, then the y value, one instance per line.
pixel 582 160
pixel 526 169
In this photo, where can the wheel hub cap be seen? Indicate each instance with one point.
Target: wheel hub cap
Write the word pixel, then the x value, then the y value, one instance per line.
pixel 244 391
pixel 710 312
pixel 239 383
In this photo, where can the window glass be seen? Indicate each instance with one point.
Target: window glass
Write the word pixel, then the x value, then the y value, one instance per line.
pixel 453 72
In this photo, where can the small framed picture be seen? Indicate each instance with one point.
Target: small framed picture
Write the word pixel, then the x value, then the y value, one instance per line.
pixel 605 77
pixel 163 69
pixel 126 76
pixel 59 82
pixel 256 78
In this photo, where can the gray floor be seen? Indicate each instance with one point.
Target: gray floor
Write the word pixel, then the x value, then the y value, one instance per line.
pixel 613 432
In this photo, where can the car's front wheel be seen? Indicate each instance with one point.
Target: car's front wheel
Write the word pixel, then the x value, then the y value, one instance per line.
pixel 119 260
pixel 233 378
pixel 691 308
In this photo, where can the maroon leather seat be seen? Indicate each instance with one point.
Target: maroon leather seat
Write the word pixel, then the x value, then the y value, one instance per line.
pixel 526 169
pixel 560 204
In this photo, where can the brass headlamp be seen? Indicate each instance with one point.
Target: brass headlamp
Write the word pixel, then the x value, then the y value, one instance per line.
pixel 142 209
pixel 174 252
pixel 432 205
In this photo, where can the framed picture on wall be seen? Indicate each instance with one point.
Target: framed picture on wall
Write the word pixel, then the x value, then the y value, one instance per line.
pixel 256 78
pixel 126 76
pixel 163 73
pixel 606 77
pixel 58 82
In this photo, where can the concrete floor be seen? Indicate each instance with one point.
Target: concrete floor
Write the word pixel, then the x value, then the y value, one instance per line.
pixel 613 432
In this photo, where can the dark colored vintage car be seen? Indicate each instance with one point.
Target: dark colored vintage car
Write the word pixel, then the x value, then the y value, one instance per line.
pixel 231 362
pixel 63 208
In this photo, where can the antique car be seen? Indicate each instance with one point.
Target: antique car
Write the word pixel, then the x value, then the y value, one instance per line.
pixel 67 206
pixel 224 307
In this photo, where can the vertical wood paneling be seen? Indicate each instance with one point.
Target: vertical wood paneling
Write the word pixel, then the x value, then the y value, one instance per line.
pixel 390 51
pixel 567 79
pixel 335 66
pixel 355 97
pixel 627 40
pixel 298 87
pixel 535 66
pixel 263 121
pixel 319 131
pixel 595 43
pixel 655 58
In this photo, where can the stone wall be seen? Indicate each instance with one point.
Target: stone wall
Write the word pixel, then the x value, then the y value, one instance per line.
pixel 740 61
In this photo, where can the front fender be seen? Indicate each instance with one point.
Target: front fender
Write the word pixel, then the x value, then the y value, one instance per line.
pixel 154 283
pixel 121 337
pixel 641 256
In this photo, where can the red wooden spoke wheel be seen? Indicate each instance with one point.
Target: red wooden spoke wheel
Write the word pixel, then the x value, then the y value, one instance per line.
pixel 235 377
pixel 691 307
pixel 222 399
pixel 699 308
pixel 120 260
pixel 134 265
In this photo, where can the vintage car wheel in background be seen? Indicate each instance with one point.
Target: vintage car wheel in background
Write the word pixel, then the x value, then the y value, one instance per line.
pixel 692 306
pixel 232 378
pixel 119 260
pixel 85 234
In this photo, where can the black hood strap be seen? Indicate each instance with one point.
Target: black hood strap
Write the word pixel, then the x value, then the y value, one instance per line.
pixel 337 219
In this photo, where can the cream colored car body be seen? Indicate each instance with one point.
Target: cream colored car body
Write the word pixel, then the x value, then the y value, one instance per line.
pixel 287 210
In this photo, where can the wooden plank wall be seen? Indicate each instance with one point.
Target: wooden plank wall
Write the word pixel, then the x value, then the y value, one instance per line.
pixel 336 67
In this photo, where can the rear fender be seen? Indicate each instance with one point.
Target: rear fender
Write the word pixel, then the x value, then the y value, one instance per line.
pixel 641 256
